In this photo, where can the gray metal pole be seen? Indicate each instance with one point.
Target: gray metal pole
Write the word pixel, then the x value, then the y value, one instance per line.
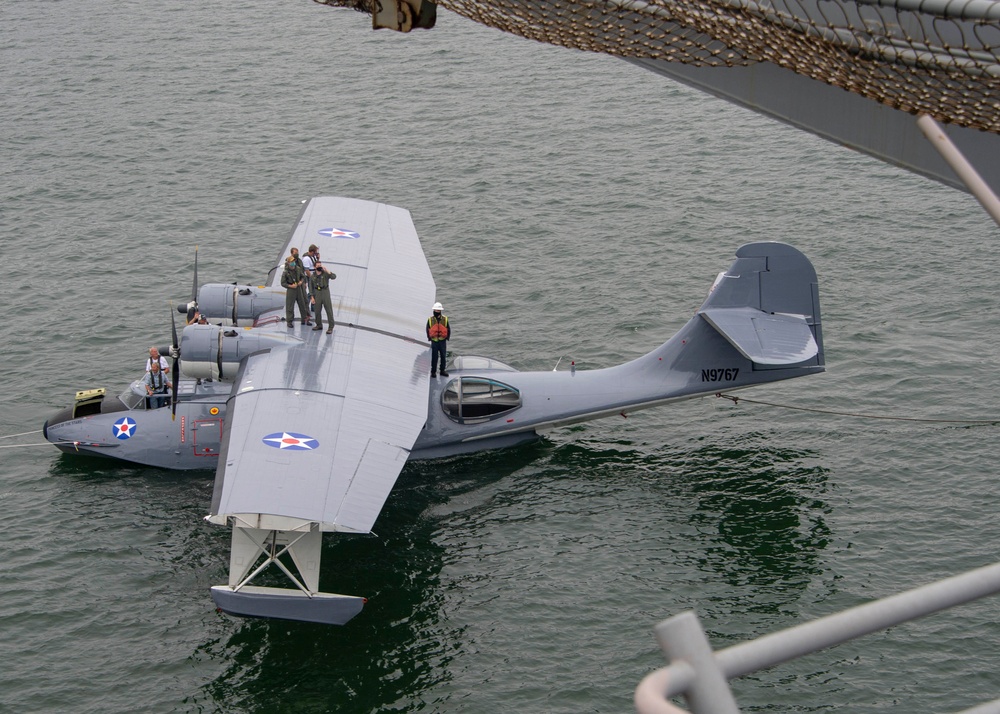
pixel 651 694
pixel 683 638
pixel 694 668
pixel 960 165
pixel 862 620
pixel 985 708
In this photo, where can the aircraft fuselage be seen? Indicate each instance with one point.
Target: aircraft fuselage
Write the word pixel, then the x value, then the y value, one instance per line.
pixel 122 427
pixel 481 404
pixel 759 324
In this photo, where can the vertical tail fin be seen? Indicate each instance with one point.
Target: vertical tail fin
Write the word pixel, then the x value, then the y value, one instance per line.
pixel 767 306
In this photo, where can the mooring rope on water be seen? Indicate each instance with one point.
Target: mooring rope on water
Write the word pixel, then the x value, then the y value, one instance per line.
pixel 47 443
pixel 31 433
pixel 736 400
pixel 23 433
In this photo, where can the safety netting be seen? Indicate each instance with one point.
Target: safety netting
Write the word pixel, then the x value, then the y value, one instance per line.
pixel 935 57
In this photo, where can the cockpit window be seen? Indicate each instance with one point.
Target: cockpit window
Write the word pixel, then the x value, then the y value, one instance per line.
pixel 471 400
pixel 135 396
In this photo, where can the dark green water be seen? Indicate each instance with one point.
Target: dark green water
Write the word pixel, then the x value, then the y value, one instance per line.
pixel 571 207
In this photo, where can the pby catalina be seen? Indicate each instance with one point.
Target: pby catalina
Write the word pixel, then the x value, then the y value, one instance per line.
pixel 307 432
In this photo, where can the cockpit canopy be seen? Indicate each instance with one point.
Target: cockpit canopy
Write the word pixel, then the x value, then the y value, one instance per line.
pixel 472 400
pixel 135 396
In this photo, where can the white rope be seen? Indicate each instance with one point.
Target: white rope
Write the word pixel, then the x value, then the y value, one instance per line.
pixel 11 436
pixel 47 443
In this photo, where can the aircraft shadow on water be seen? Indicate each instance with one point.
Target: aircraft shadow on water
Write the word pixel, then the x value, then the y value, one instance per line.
pixel 308 431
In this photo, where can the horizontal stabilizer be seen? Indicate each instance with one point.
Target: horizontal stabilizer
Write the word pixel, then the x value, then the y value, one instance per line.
pixel 764 338
pixel 285 604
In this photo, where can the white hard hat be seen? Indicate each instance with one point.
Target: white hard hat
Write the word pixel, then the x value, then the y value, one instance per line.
pixel 438 306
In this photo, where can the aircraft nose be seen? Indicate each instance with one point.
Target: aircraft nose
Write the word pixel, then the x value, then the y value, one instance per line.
pixel 58 418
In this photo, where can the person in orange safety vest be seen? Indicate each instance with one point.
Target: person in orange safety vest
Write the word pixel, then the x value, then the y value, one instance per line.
pixel 438 332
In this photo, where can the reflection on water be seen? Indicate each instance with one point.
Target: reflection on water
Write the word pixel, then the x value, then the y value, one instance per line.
pixel 372 661
pixel 87 467
pixel 758 508
pixel 398 647
pixel 467 555
pixel 765 505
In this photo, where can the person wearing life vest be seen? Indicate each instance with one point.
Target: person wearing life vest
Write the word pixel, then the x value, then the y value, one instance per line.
pixel 438 332
pixel 157 385
pixel 154 356
pixel 309 265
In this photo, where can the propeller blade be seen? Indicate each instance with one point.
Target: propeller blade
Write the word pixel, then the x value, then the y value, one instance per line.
pixel 194 287
pixel 173 331
pixel 190 310
pixel 173 391
pixel 175 351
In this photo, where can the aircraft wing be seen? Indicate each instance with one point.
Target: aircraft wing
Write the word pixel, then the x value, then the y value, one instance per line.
pixel 321 433
pixel 316 433
pixel 358 398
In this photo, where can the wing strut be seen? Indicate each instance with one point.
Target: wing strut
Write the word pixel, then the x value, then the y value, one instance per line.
pixel 960 165
pixel 303 545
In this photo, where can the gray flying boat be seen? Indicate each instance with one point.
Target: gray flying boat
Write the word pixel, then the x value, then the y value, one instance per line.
pixel 307 432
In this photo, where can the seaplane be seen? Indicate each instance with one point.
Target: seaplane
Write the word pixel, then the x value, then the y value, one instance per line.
pixel 307 431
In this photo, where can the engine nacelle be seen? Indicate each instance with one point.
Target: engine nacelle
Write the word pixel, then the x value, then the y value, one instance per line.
pixel 214 352
pixel 238 304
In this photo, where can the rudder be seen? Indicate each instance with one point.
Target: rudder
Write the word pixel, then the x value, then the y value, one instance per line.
pixel 766 305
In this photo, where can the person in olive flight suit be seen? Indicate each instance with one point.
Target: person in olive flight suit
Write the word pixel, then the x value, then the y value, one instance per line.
pixel 291 279
pixel 320 284
pixel 303 287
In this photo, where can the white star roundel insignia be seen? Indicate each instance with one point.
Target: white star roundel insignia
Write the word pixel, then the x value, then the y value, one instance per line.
pixel 124 428
pixel 338 233
pixel 291 441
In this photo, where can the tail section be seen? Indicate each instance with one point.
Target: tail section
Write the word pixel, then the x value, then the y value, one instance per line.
pixel 760 323
pixel 767 307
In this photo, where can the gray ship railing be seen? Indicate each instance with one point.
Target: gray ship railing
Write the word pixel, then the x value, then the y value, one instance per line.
pixel 702 676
